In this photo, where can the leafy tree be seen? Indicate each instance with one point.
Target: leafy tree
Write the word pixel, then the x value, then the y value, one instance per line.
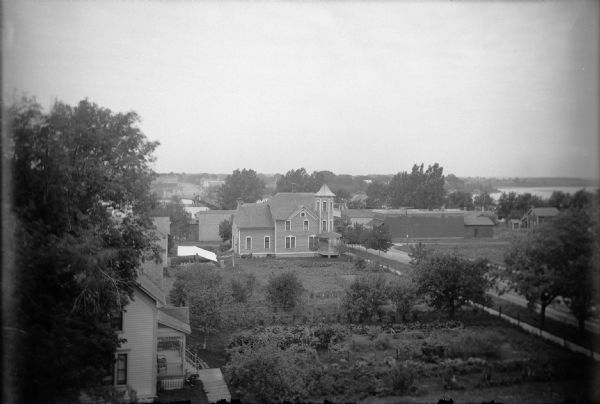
pixel 448 281
pixel 418 253
pixel 403 295
pixel 483 201
pixel 244 185
pixel 342 195
pixel 180 219
pixel 75 264
pixel 363 297
pixel 419 189
pixel 242 289
pixel 506 206
pixel 556 259
pixel 225 230
pixel 357 234
pixel 298 181
pixel 379 238
pixel 377 195
pixel 284 291
pixel 459 200
pixel 203 290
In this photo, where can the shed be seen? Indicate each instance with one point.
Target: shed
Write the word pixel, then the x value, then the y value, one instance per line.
pixel 477 226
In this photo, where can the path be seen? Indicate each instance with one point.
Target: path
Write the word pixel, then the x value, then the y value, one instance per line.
pixel 214 385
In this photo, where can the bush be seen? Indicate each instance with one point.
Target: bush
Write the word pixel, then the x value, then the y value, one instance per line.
pixel 363 297
pixel 284 291
pixel 401 379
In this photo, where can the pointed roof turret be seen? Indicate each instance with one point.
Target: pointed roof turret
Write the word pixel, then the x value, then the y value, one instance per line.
pixel 324 191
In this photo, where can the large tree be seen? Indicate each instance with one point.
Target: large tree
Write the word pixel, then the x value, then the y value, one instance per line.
pixel 74 262
pixel 244 185
pixel 448 281
pixel 379 238
pixel 299 181
pixel 459 200
pixel 422 189
pixel 556 259
pixel 377 195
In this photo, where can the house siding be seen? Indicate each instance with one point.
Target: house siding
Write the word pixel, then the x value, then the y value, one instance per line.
pixel 208 224
pixel 297 230
pixel 258 241
pixel 139 329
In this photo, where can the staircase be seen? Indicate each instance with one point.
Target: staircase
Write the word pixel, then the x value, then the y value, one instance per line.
pixel 213 382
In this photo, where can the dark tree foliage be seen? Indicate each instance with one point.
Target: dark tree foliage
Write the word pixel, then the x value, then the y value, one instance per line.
pixel 459 200
pixel 244 185
pixel 179 218
pixel 377 195
pixel 284 291
pixel 557 259
pixel 356 234
pixel 363 297
pixel 225 230
pixel 421 189
pixel 483 201
pixel 379 238
pixel 448 281
pixel 75 263
pixel 299 181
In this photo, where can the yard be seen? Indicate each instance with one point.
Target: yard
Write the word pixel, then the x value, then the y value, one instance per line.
pixel 474 357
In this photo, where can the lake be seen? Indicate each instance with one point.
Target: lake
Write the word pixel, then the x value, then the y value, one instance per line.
pixel 542 192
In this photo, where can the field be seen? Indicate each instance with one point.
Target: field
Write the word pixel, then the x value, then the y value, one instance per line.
pixel 474 357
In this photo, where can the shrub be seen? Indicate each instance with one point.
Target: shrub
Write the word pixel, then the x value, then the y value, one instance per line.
pixel 382 342
pixel 401 379
pixel 363 297
pixel 284 290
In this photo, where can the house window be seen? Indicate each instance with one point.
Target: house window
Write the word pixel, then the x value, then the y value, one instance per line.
pixel 116 320
pixel 290 242
pixel 313 243
pixel 302 214
pixel 121 366
pixel 288 225
pixel 324 206
pixel 267 242
pixel 306 225
pixel 331 205
pixel 317 205
pixel 324 225
pixel 248 243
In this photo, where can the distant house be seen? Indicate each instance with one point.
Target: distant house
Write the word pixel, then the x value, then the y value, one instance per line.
pixel 288 224
pixel 514 224
pixel 208 224
pixel 358 216
pixel 537 216
pixel 478 225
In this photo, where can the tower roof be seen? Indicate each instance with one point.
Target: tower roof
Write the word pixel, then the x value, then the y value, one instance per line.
pixel 324 191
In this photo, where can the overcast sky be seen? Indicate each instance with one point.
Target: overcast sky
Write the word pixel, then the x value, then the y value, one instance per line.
pixel 483 88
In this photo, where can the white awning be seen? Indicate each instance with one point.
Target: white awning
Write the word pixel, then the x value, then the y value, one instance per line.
pixel 186 251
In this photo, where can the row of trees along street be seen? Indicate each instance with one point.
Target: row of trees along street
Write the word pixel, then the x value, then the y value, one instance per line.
pixel 73 263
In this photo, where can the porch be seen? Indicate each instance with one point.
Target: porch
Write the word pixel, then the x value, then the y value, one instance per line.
pixel 329 244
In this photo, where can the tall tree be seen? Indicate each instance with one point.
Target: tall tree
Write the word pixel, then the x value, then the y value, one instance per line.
pixel 179 218
pixel 459 200
pixel 377 195
pixel 299 181
pixel 75 263
pixel 379 238
pixel 225 230
pixel 556 259
pixel 422 189
pixel 448 281
pixel 244 185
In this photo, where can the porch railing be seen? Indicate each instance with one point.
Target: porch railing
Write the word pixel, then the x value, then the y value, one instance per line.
pixel 193 363
pixel 170 369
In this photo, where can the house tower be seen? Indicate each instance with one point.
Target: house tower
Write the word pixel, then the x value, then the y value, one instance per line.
pixel 324 207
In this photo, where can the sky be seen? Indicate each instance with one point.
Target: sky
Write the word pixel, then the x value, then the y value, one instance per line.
pixel 496 88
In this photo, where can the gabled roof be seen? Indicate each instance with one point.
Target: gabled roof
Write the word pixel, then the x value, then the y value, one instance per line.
pixel 479 220
pixel 324 191
pixel 150 288
pixel 253 215
pixel 283 204
pixel 177 318
pixel 303 208
pixel 541 212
